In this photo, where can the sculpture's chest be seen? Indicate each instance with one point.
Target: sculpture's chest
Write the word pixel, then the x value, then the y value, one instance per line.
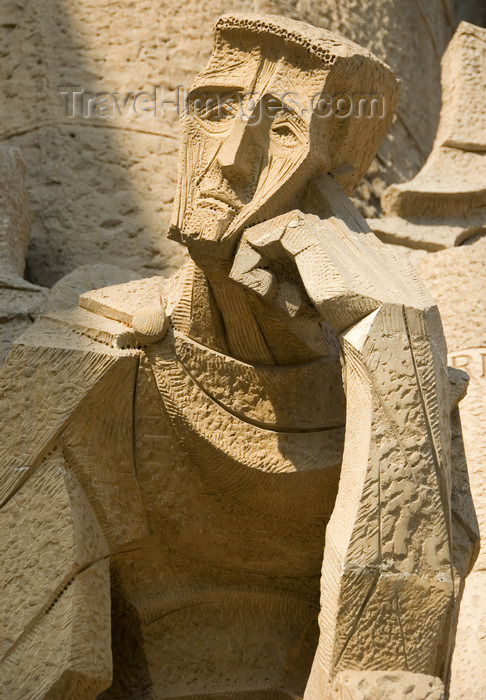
pixel 237 488
pixel 244 458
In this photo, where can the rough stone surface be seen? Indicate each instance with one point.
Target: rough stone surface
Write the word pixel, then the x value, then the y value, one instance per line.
pixel 411 37
pixel 351 685
pixel 64 294
pixel 429 234
pixel 452 182
pixel 15 217
pixel 444 204
pixel 101 190
pixel 18 309
pixel 441 209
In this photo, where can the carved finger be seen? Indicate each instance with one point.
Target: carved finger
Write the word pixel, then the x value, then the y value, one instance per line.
pixel 263 266
pixel 250 271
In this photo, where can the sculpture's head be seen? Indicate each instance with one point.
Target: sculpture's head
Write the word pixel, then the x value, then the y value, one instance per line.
pixel 272 111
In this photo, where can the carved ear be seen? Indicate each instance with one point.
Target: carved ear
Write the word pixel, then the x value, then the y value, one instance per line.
pixel 459 382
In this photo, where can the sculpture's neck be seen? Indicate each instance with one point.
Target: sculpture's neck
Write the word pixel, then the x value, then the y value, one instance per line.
pixel 230 319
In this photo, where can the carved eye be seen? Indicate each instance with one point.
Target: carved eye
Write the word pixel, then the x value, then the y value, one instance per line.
pixel 222 112
pixel 284 134
pixel 214 108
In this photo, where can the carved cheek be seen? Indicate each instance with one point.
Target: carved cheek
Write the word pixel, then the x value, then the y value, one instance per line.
pixel 282 164
pixel 200 149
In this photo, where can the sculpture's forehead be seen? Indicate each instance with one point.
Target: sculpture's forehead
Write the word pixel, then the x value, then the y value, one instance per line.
pixel 259 68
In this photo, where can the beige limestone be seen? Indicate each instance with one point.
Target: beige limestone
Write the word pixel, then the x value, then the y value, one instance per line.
pixel 58 587
pixel 445 203
pixel 429 234
pixel 443 207
pixel 101 189
pixel 261 447
pixel 411 37
pixel 373 684
pixel 64 294
pixel 16 218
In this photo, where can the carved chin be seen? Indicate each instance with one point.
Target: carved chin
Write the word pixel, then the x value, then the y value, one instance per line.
pixel 208 221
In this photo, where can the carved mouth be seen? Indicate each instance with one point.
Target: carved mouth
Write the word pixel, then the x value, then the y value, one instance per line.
pixel 220 197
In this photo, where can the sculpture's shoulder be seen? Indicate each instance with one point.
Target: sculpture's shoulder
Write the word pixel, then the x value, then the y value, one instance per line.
pixel 120 302
pixel 65 356
pixel 113 316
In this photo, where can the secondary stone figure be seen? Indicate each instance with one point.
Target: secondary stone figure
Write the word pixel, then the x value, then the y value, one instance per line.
pixel 19 300
pixel 184 452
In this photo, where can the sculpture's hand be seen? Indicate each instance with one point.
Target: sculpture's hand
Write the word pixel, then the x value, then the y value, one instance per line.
pixel 345 275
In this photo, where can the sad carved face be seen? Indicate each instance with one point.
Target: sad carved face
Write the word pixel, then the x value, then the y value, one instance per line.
pixel 250 143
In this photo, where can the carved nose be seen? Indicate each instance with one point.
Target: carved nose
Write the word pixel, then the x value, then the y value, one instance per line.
pixel 235 155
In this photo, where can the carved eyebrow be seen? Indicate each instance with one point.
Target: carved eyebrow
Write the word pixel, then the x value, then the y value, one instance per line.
pixel 217 88
pixel 283 102
pixel 286 103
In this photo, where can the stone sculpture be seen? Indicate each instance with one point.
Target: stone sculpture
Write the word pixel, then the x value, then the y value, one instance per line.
pixel 263 523
pixel 462 312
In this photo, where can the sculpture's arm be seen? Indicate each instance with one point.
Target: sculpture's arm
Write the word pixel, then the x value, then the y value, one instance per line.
pixel 387 579
pixel 55 637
